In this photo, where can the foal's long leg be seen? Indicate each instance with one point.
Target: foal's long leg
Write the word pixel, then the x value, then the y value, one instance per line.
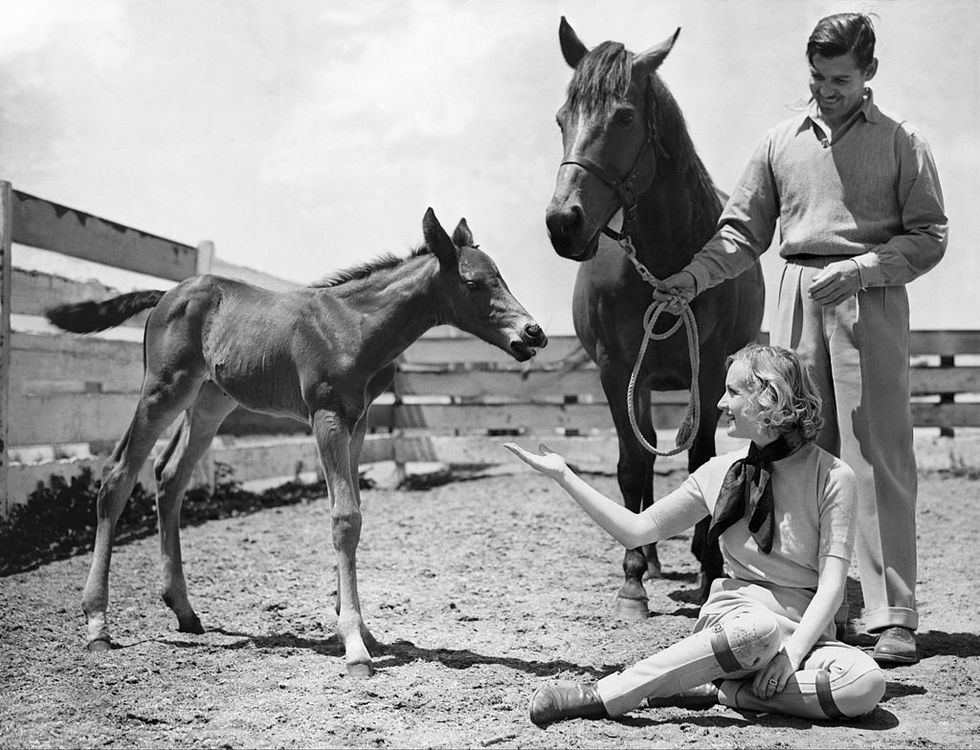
pixel 160 402
pixel 333 439
pixel 173 470
pixel 356 443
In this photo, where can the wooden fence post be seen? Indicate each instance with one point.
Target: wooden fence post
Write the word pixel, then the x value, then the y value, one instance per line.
pixel 6 241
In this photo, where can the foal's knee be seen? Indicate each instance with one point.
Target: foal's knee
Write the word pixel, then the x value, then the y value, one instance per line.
pixel 346 526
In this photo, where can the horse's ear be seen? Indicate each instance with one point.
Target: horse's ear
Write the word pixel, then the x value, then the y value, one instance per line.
pixel 462 236
pixel 437 240
pixel 572 48
pixel 650 60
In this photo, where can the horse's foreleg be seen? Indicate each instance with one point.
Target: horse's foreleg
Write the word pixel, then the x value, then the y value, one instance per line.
pixel 711 386
pixel 153 413
pixel 334 444
pixel 174 469
pixel 634 472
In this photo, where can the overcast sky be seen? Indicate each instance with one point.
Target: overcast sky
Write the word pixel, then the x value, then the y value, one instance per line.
pixel 302 137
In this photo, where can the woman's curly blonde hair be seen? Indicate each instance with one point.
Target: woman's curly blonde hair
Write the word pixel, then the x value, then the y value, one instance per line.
pixel 779 379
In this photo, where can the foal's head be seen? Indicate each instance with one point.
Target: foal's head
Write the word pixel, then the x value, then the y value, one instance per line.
pixel 609 125
pixel 472 295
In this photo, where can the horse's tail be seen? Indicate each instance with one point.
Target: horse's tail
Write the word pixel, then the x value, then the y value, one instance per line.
pixel 89 317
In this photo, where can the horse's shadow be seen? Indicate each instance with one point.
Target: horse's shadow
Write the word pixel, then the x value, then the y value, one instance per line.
pixel 401 652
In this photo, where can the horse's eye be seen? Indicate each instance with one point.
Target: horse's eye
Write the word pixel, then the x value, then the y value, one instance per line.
pixel 472 285
pixel 625 116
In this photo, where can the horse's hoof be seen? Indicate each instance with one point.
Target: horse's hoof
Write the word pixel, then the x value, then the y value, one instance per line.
pixel 99 644
pixel 360 670
pixel 653 571
pixel 190 625
pixel 631 609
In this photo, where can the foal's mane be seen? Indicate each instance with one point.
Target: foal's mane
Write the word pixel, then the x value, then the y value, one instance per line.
pixel 603 78
pixel 363 270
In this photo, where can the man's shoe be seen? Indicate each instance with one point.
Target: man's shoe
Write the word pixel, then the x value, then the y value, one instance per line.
pixel 555 702
pixel 896 645
pixel 700 697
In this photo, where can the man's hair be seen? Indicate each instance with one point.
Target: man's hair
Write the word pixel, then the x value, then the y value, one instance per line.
pixel 781 383
pixel 841 34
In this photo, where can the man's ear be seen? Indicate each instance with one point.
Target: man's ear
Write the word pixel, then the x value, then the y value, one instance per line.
pixel 438 241
pixel 872 68
pixel 572 48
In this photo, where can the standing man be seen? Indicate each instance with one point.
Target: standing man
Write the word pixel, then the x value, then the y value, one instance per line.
pixel 860 210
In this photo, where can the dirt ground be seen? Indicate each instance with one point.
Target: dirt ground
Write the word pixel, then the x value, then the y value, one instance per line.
pixel 480 590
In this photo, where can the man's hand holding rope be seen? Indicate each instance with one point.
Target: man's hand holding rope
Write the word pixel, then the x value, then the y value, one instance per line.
pixel 676 291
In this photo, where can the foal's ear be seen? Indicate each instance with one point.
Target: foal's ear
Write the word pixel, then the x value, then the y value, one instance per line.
pixel 437 240
pixel 650 60
pixel 462 236
pixel 572 48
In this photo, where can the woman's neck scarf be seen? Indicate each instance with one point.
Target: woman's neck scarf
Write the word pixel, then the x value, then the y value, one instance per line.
pixel 747 488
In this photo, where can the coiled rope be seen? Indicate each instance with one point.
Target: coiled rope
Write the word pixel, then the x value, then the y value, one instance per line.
pixel 692 418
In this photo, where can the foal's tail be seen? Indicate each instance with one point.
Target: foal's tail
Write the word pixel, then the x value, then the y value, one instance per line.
pixel 89 317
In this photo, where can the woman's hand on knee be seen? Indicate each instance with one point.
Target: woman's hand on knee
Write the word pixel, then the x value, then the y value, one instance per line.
pixel 772 678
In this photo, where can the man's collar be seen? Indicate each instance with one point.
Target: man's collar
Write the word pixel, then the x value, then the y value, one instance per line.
pixel 867 109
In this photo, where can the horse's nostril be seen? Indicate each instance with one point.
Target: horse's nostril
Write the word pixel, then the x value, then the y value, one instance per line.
pixel 534 335
pixel 564 222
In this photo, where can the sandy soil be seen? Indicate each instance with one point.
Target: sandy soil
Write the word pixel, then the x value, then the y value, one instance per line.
pixel 480 590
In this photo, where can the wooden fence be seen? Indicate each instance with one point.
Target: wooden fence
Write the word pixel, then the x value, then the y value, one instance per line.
pixel 455 399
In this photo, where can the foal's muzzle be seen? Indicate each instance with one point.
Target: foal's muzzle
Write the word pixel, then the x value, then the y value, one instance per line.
pixel 532 339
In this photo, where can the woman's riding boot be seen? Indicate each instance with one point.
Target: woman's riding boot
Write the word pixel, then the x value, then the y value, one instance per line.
pixel 702 696
pixel 556 702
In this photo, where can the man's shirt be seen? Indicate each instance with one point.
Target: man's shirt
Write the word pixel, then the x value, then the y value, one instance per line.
pixel 871 193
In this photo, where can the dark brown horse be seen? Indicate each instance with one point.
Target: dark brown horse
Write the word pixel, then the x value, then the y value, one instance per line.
pixel 627 148
pixel 320 355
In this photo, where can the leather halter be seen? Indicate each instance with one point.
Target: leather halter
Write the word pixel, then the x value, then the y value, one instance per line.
pixel 623 188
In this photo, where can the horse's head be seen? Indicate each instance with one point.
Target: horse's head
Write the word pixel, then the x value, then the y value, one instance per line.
pixel 610 141
pixel 473 296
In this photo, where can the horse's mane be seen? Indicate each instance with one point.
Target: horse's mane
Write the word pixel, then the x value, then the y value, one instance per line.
pixel 363 270
pixel 603 77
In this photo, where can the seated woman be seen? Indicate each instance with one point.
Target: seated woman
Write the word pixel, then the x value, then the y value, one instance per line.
pixel 783 512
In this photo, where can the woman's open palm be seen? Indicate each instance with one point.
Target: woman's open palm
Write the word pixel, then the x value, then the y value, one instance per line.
pixel 547 461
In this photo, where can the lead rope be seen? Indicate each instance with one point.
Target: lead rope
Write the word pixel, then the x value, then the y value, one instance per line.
pixel 692 417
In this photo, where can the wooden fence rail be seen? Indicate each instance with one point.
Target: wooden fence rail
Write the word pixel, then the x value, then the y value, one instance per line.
pixel 451 392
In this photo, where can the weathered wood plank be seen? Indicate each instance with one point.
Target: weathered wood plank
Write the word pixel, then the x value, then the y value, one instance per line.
pixel 945 414
pixel 537 418
pixel 51 226
pixel 471 349
pixel 39 361
pixel 70 417
pixel 944 342
pixel 926 380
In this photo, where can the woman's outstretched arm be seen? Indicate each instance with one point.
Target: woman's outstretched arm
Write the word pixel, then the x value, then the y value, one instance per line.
pixel 669 516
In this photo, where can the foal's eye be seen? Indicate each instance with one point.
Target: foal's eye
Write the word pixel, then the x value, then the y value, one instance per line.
pixel 472 285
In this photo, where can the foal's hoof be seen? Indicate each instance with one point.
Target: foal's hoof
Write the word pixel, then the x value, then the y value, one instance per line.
pixel 190 625
pixel 653 571
pixel 99 644
pixel 631 609
pixel 360 669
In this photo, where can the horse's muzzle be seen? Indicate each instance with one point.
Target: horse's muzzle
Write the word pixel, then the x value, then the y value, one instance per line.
pixel 566 230
pixel 532 339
